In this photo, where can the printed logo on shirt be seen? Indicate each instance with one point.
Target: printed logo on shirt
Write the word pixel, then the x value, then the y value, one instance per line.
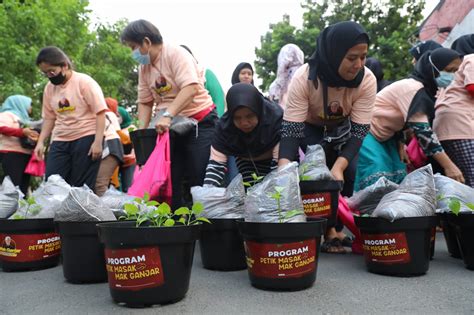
pixel 64 106
pixel 334 111
pixel 161 86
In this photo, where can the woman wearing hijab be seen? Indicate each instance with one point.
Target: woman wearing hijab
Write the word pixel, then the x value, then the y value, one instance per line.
pixel 243 73
pixel 376 67
pixel 129 161
pixel 290 58
pixel 330 102
pixel 250 131
pixel 420 48
pixel 112 155
pixel 454 120
pixel 407 104
pixel 14 114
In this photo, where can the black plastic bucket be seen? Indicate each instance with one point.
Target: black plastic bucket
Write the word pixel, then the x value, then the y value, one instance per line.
pixel 432 242
pixel 28 244
pixel 222 246
pixel 148 265
pixel 144 141
pixel 282 256
pixel 449 232
pixel 399 248
pixel 464 227
pixel 82 252
pixel 321 199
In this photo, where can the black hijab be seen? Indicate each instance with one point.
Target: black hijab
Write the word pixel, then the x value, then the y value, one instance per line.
pixel 420 48
pixel 464 45
pixel 376 67
pixel 425 72
pixel 229 140
pixel 331 47
pixel 240 66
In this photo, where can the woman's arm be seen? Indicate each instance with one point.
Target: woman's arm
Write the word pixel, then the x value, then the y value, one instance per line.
pixel 47 128
pixel 96 148
pixel 182 100
pixel 216 168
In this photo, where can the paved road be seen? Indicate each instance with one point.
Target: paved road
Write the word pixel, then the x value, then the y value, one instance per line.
pixel 343 286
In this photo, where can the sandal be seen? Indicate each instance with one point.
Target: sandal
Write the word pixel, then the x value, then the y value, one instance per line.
pixel 333 246
pixel 347 241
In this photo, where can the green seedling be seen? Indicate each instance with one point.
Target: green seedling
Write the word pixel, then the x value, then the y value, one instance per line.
pixel 454 204
pixel 160 215
pixel 303 169
pixel 276 195
pixel 31 206
pixel 255 180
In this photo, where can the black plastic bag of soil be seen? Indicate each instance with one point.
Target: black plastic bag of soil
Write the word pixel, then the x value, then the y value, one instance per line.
pixel 449 188
pixel 415 197
pixel 313 166
pixel 260 206
pixel 367 199
pixel 82 204
pixel 9 198
pixel 222 203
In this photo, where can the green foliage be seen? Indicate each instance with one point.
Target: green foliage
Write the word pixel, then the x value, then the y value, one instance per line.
pixel 28 26
pixel 389 24
pixel 159 215
pixel 31 206
pixel 255 180
pixel 454 204
pixel 276 195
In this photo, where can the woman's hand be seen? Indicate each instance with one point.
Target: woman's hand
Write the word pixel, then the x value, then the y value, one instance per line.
pixel 39 151
pixel 337 173
pixel 31 134
pixel 96 150
pixel 402 152
pixel 163 125
pixel 455 173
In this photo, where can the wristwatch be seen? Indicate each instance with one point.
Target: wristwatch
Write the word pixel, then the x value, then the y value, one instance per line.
pixel 167 114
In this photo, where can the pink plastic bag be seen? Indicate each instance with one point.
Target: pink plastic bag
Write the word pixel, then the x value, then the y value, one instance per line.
pixel 35 167
pixel 155 176
pixel 346 216
pixel 416 154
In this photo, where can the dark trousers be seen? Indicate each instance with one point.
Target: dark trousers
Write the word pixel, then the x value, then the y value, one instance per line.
pixel 315 135
pixel 189 158
pixel 69 159
pixel 14 165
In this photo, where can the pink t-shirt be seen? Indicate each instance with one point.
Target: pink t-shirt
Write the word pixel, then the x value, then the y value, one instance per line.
pixel 305 103
pixel 172 71
pixel 391 108
pixel 11 144
pixel 112 125
pixel 74 105
pixel 454 118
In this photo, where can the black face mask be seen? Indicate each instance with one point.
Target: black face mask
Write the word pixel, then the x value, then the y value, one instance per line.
pixel 59 79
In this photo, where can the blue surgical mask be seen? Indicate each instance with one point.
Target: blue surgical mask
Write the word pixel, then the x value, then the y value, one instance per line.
pixel 141 59
pixel 444 79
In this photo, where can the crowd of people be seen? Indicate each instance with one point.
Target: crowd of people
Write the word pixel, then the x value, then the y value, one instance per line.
pixel 338 99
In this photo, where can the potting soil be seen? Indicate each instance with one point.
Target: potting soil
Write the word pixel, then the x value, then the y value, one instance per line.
pixel 449 188
pixel 223 203
pixel 415 197
pixel 313 166
pixel 367 199
pixel 9 197
pixel 260 206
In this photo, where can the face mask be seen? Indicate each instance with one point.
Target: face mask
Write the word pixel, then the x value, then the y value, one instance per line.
pixel 444 79
pixel 141 59
pixel 58 79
